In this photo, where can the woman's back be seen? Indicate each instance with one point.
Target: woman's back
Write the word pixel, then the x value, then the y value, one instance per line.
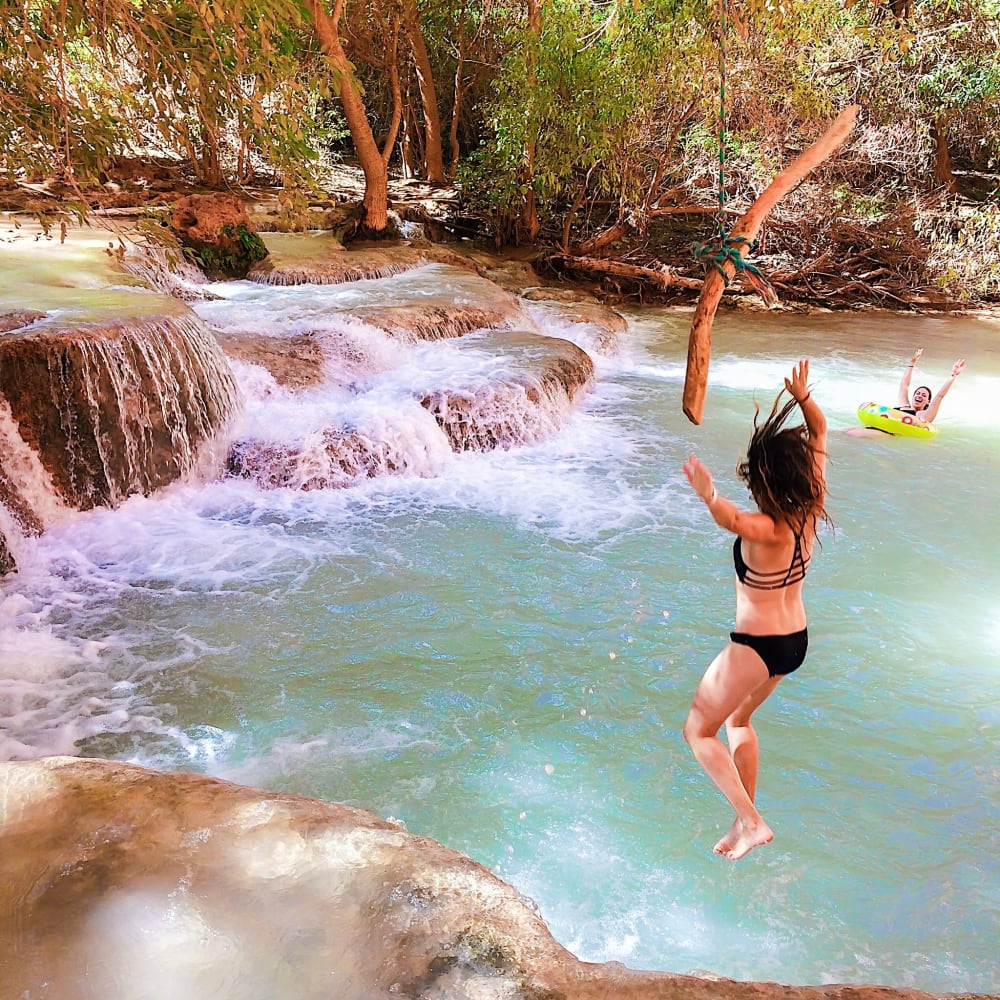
pixel 769 579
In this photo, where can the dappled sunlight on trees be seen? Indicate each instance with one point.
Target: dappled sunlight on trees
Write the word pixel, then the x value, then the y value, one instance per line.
pixel 591 127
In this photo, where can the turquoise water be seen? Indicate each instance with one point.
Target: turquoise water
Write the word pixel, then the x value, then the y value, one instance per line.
pixel 501 654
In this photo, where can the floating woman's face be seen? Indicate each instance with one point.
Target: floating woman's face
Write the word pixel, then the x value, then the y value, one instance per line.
pixel 921 397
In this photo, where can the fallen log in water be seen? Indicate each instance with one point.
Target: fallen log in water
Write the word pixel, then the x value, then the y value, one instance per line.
pixel 659 277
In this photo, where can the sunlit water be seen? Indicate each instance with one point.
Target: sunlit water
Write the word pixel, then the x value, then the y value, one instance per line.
pixel 501 652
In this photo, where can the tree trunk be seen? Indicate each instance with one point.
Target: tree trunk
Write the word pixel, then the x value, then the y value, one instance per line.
pixel 434 157
pixel 659 278
pixel 460 89
pixel 944 176
pixel 375 205
pixel 700 339
pixel 529 214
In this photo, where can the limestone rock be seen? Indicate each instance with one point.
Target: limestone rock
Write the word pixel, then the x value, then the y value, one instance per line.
pixel 525 406
pixel 219 234
pixel 7 563
pixel 17 319
pixel 114 877
pixel 294 362
pixel 117 408
pixel 529 399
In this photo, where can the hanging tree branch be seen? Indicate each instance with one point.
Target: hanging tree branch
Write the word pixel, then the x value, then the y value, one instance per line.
pixel 700 339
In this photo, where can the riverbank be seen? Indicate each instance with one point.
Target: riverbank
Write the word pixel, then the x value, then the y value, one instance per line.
pixel 925 254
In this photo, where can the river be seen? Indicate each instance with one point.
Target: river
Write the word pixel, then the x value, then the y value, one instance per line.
pixel 498 649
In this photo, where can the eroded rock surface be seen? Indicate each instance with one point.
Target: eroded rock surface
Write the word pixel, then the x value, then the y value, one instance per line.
pixel 520 408
pixel 116 408
pixel 219 232
pixel 17 319
pixel 7 563
pixel 294 362
pixel 528 397
pixel 113 877
pixel 318 259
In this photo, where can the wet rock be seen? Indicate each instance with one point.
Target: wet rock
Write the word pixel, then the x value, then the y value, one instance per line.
pixel 113 876
pixel 7 563
pixel 330 459
pixel 12 500
pixel 218 234
pixel 428 322
pixel 319 259
pixel 113 409
pixel 16 319
pixel 521 408
pixel 582 317
pixel 165 269
pixel 528 397
pixel 294 362
pixel 543 293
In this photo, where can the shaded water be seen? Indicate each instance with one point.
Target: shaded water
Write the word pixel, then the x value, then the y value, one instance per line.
pixel 500 653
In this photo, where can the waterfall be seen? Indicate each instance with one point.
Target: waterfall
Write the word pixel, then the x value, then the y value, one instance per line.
pixel 27 491
pixel 495 389
pixel 521 407
pixel 112 410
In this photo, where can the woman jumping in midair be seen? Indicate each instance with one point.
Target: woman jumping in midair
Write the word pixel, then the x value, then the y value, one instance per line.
pixel 785 471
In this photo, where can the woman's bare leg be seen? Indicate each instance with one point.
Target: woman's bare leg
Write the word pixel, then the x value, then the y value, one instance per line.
pixel 742 737
pixel 745 751
pixel 735 676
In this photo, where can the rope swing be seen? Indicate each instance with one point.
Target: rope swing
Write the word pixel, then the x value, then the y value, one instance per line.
pixel 722 257
pixel 725 247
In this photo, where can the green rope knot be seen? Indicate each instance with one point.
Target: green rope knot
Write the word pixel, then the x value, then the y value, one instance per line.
pixel 726 247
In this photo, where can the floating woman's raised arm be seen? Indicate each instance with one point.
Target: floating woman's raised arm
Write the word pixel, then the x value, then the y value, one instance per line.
pixel 903 396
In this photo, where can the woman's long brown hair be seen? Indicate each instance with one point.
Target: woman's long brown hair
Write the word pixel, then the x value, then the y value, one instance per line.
pixel 781 471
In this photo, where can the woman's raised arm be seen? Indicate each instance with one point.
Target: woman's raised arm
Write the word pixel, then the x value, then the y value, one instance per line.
pixel 903 396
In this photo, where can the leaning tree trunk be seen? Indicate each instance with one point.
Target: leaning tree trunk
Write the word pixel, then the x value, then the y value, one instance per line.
pixel 700 338
pixel 375 205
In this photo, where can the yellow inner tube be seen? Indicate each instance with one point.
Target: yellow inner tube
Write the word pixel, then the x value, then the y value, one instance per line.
pixel 892 421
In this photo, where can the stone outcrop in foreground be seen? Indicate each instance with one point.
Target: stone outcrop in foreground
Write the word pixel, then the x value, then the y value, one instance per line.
pixel 113 877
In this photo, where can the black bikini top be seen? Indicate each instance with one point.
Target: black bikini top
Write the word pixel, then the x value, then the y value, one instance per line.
pixel 770 581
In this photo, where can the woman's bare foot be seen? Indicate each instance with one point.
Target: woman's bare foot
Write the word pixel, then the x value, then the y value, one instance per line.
pixel 742 839
pixel 725 845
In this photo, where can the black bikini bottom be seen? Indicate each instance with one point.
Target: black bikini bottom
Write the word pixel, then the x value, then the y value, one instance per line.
pixel 781 654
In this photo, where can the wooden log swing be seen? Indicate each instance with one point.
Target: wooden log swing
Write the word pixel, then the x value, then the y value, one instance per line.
pixel 745 231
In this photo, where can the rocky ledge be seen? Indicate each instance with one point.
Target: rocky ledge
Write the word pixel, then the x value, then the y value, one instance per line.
pixel 112 875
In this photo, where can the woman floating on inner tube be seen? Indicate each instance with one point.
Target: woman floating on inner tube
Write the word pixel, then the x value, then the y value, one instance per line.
pixel 919 404
pixel 913 415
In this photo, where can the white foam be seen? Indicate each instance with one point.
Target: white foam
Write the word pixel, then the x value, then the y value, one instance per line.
pixel 24 468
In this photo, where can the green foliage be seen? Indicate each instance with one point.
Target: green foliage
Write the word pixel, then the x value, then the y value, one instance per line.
pixel 233 256
pixel 591 115
pixel 579 97
pixel 222 86
pixel 942 65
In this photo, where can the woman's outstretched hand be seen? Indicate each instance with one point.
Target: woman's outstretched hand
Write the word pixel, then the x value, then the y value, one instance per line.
pixel 916 355
pixel 798 384
pixel 957 367
pixel 699 477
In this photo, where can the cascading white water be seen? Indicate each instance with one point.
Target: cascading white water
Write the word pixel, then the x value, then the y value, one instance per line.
pixel 115 409
pixel 37 500
pixel 400 391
